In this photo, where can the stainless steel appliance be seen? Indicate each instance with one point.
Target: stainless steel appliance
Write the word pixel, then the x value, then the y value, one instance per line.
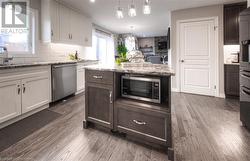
pixel 141 88
pixel 244 26
pixel 63 81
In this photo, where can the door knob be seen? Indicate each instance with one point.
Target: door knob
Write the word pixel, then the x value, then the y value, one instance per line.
pixel 182 61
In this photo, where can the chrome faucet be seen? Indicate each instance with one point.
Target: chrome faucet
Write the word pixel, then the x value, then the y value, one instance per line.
pixel 6 59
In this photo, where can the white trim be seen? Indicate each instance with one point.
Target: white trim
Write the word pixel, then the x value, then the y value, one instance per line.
pixel 175 90
pixel 216 22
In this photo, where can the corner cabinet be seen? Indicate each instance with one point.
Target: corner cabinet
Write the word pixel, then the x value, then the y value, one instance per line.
pixel 99 98
pixel 23 90
pixel 62 24
pixel 231 22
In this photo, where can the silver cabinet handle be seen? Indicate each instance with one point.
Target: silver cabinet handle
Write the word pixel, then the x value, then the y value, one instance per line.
pixel 24 88
pixel 18 90
pixel 110 97
pixel 139 122
pixel 97 77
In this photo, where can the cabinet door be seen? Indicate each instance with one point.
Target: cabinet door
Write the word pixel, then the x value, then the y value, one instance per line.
pixel 80 79
pixel 54 10
pixel 99 104
pixel 64 24
pixel 75 28
pixel 231 23
pixel 87 31
pixel 10 98
pixel 232 82
pixel 35 92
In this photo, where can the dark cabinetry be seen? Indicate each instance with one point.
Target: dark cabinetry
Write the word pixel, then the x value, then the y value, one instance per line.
pixel 99 98
pixel 232 84
pixel 231 22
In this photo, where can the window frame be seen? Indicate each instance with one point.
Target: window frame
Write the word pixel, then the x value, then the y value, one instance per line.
pixel 33 21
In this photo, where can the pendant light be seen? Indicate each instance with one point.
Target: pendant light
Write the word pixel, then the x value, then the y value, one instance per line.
pixel 132 9
pixel 119 11
pixel 147 7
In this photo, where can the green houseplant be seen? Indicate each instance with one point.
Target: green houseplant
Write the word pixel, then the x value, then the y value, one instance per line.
pixel 122 54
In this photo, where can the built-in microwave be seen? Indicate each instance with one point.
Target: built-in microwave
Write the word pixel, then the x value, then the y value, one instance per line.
pixel 141 88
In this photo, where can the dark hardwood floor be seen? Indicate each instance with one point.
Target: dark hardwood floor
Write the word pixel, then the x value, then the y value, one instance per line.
pixel 208 129
pixel 204 129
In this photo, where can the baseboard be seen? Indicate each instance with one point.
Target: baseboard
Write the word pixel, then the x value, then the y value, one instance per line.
pixel 222 95
pixel 175 90
pixel 18 118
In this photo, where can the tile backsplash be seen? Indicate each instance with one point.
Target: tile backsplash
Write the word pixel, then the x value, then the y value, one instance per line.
pixel 229 51
pixel 51 51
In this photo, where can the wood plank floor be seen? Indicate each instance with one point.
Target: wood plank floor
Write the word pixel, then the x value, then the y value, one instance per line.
pixel 208 129
pixel 205 129
pixel 64 139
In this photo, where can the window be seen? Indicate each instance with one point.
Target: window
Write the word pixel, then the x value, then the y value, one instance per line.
pixel 103 46
pixel 17 30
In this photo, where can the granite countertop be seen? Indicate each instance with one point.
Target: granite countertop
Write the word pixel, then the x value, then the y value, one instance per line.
pixel 42 63
pixel 148 69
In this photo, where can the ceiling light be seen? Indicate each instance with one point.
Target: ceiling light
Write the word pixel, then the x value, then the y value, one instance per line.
pixel 146 7
pixel 93 1
pixel 132 10
pixel 119 13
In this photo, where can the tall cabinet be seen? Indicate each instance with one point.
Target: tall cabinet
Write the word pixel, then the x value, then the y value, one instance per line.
pixel 231 22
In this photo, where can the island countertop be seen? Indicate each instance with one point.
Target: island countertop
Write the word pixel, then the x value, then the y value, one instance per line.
pixel 143 68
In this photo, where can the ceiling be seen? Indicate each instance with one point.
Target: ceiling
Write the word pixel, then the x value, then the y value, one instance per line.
pixel 102 12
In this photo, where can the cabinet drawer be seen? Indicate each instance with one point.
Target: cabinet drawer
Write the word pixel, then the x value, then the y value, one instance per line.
pixel 145 125
pixel 104 77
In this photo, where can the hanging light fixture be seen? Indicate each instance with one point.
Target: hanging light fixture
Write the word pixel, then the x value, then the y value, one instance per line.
pixel 147 7
pixel 119 11
pixel 93 1
pixel 132 9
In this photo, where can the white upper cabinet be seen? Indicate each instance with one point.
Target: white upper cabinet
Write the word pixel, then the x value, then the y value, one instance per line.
pixel 65 33
pixel 61 24
pixel 55 23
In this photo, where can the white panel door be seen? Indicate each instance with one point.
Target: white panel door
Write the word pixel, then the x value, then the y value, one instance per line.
pixel 35 92
pixel 10 100
pixel 197 57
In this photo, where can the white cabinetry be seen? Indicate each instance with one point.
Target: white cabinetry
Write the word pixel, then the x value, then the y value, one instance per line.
pixel 61 24
pixel 35 92
pixel 80 78
pixel 10 100
pixel 23 90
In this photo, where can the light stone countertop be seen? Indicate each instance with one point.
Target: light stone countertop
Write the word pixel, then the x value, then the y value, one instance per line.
pixel 42 63
pixel 144 68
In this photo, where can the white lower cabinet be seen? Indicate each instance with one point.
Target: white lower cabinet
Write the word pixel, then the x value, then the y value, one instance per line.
pixel 10 100
pixel 22 91
pixel 80 79
pixel 35 93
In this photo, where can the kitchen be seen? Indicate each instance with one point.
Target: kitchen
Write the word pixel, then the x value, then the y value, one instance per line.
pixel 86 81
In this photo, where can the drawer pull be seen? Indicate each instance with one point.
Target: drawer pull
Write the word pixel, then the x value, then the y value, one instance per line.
pixel 139 122
pixel 246 90
pixel 110 97
pixel 245 76
pixel 97 77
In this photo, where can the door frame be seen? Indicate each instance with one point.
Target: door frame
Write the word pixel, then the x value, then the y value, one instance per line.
pixel 178 64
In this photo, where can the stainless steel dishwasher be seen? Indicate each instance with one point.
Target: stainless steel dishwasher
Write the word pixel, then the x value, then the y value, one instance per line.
pixel 63 81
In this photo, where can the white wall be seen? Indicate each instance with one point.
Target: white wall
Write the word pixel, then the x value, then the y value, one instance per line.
pixel 185 14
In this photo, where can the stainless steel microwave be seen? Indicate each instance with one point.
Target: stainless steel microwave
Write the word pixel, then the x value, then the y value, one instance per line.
pixel 141 88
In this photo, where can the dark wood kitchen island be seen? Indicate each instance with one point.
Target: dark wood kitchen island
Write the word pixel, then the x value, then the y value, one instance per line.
pixel 139 120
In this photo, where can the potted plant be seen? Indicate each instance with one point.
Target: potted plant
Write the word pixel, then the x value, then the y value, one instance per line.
pixel 122 54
